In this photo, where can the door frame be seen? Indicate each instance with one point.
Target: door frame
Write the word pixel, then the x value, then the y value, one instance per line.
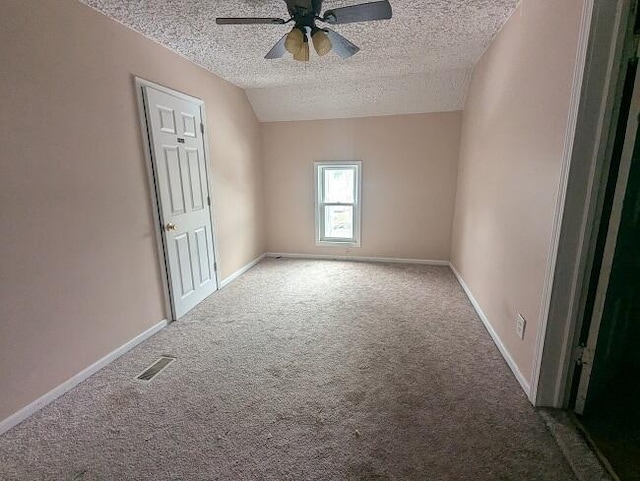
pixel 592 123
pixel 593 322
pixel 147 147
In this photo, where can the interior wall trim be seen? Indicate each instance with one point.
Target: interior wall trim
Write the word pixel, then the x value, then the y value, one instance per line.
pixel 19 416
pixel 391 260
pixel 228 280
pixel 526 387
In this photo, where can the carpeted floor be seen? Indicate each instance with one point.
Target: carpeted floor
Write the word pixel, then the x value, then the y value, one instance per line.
pixel 302 370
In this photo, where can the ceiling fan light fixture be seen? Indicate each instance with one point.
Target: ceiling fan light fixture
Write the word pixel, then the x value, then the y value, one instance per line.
pixel 302 55
pixel 304 14
pixel 294 41
pixel 321 42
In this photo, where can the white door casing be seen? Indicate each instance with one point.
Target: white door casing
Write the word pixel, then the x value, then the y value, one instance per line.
pixel 175 130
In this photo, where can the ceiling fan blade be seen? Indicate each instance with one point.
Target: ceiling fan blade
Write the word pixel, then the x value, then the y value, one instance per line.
pixel 278 49
pixel 250 21
pixel 341 45
pixel 359 13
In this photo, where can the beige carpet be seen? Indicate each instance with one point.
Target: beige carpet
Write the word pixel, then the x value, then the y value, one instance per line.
pixel 302 370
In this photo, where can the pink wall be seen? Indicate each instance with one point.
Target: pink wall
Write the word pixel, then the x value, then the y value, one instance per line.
pixel 511 150
pixel 409 165
pixel 78 263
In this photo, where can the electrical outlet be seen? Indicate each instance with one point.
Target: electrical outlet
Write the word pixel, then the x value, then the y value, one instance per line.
pixel 520 325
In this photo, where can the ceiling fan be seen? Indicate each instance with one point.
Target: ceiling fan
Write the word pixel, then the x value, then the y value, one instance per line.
pixel 304 14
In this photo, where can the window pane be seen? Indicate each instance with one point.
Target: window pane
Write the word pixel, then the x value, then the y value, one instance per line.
pixel 338 221
pixel 338 185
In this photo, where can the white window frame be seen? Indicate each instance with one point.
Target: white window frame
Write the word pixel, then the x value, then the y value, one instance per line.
pixel 319 168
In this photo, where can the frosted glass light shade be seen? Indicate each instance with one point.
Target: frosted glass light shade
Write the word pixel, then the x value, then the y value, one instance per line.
pixel 295 39
pixel 321 43
pixel 302 54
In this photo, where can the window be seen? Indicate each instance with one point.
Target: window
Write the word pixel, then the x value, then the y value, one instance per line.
pixel 338 203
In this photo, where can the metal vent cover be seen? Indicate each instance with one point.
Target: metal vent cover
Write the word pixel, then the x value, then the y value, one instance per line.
pixel 156 368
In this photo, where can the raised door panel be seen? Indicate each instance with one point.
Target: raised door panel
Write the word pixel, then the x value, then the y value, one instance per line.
pixel 185 264
pixel 167 118
pixel 197 183
pixel 189 125
pixel 203 250
pixel 174 182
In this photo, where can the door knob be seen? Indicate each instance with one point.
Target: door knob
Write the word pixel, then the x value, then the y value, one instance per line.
pixel 171 226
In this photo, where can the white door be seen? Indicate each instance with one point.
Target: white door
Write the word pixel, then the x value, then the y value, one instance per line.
pixel 180 169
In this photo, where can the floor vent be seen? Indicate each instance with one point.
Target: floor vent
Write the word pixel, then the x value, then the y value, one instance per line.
pixel 156 368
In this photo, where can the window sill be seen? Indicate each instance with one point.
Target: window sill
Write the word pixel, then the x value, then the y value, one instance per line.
pixel 324 243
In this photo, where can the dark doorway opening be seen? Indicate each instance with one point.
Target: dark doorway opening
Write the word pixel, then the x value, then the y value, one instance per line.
pixel 611 414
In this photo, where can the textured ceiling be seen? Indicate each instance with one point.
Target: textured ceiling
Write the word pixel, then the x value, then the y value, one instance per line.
pixel 419 61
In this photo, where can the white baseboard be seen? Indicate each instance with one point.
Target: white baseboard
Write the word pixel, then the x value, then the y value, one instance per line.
pixel 392 260
pixel 72 382
pixel 494 335
pixel 241 271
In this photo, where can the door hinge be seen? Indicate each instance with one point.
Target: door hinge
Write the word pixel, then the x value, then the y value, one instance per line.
pixel 202 127
pixel 209 200
pixel 215 266
pixel 583 355
pixel 579 354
